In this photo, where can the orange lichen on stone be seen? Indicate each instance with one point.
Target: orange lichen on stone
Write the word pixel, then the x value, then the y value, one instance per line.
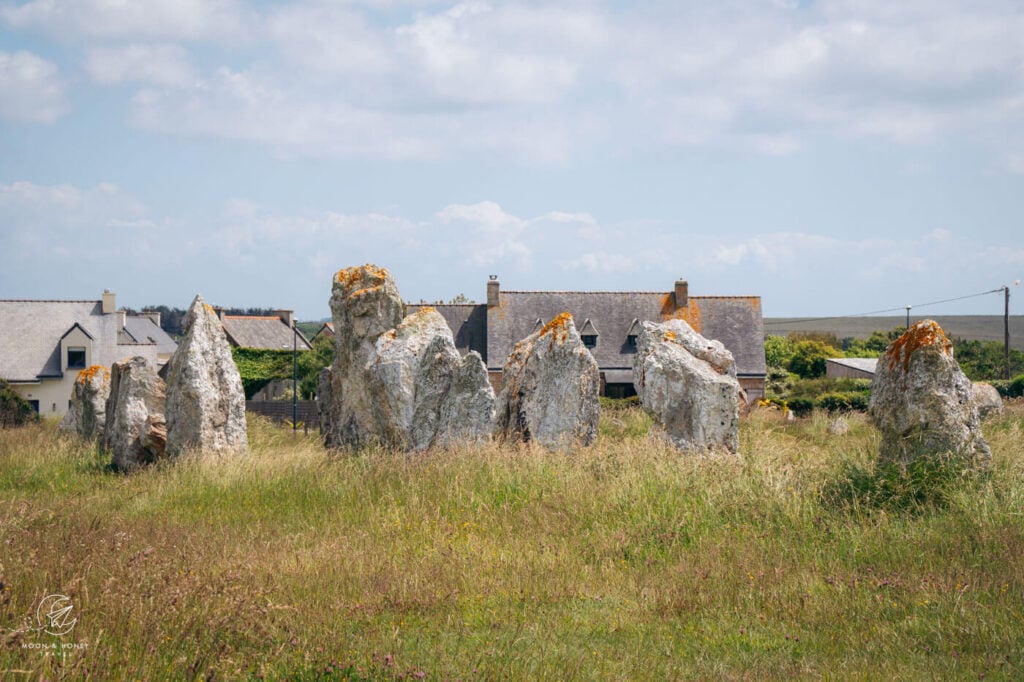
pixel 670 335
pixel 209 308
pixel 346 276
pixel 88 373
pixel 558 327
pixel 921 334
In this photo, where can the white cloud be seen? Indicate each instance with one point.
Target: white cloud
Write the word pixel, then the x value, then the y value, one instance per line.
pixel 159 65
pixel 153 19
pixel 31 90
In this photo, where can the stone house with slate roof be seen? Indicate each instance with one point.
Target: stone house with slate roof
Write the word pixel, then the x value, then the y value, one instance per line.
pixel 44 345
pixel 608 323
pixel 271 332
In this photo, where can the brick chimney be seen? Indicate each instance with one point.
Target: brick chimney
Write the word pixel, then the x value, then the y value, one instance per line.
pixel 682 293
pixel 493 289
pixel 153 315
pixel 109 302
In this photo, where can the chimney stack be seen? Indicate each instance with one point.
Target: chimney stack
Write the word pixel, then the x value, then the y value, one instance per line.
pixel 493 289
pixel 109 301
pixel 154 315
pixel 286 316
pixel 122 317
pixel 682 293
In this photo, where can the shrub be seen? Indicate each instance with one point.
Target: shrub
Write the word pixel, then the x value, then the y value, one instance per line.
pixel 843 402
pixel 809 358
pixel 801 407
pixel 14 410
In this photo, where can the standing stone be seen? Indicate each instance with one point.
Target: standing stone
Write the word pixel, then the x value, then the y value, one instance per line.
pixel 413 373
pixel 838 427
pixel 136 431
pixel 987 398
pixel 365 304
pixel 923 403
pixel 550 388
pixel 324 399
pixel 205 399
pixel 88 413
pixel 398 382
pixel 688 384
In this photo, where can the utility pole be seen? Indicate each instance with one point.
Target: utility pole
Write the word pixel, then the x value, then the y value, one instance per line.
pixel 295 379
pixel 1006 327
pixel 908 318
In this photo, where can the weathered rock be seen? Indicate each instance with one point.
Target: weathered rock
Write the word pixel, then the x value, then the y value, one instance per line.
pixel 414 372
pixel 324 399
pixel 205 399
pixel 136 431
pixel 550 387
pixel 987 398
pixel 88 413
pixel 365 304
pixel 923 403
pixel 838 427
pixel 688 384
pixel 467 416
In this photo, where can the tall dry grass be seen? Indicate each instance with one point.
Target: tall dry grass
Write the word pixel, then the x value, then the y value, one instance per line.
pixel 627 560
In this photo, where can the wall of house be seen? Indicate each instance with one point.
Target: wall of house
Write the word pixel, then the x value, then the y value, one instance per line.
pixel 52 394
pixel 836 371
pixel 754 386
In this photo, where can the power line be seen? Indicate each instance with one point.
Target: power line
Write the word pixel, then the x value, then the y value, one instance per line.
pixel 889 310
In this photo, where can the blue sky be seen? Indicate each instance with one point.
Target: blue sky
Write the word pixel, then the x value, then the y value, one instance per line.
pixel 832 157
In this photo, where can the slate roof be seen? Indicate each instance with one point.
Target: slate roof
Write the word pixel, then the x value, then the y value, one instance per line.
pixel 31 331
pixel 862 364
pixel 468 323
pixel 261 332
pixel 142 330
pixel 733 320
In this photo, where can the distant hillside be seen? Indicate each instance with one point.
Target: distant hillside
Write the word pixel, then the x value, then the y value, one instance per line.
pixel 973 327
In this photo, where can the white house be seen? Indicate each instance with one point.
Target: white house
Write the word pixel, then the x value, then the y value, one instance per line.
pixel 45 344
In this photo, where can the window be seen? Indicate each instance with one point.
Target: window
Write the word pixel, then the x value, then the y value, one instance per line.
pixel 589 340
pixel 34 404
pixel 76 357
pixel 631 341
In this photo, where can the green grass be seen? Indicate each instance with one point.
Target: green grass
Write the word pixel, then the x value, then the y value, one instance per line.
pixel 627 560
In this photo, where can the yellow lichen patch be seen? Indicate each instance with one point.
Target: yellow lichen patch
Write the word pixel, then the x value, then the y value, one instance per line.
pixel 670 335
pixel 347 276
pixel 921 334
pixel 89 372
pixel 691 313
pixel 209 308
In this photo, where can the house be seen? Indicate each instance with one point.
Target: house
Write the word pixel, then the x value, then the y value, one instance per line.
pixel 608 323
pixel 44 345
pixel 269 332
pixel 851 368
pixel 325 331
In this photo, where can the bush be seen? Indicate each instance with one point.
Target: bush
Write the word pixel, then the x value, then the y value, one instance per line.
pixel 14 410
pixel 809 358
pixel 801 407
pixel 843 402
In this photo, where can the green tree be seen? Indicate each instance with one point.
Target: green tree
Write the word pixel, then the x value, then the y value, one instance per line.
pixel 873 346
pixel 14 410
pixel 777 351
pixel 312 362
pixel 808 360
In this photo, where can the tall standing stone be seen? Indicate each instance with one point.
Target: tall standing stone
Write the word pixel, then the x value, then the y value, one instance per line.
pixel 923 403
pixel 88 413
pixel 550 387
pixel 365 304
pixel 396 381
pixel 136 429
pixel 688 384
pixel 205 398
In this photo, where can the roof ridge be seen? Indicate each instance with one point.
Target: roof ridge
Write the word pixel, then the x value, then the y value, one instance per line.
pixel 49 300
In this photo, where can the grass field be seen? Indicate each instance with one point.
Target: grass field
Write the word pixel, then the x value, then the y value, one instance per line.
pixel 971 327
pixel 626 560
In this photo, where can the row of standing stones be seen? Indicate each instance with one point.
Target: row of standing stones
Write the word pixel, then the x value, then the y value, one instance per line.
pixel 140 417
pixel 399 382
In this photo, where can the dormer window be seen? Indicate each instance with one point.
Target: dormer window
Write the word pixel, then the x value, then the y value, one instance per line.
pixel 76 357
pixel 588 334
pixel 631 334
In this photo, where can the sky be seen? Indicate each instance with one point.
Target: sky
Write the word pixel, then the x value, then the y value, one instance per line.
pixel 833 157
